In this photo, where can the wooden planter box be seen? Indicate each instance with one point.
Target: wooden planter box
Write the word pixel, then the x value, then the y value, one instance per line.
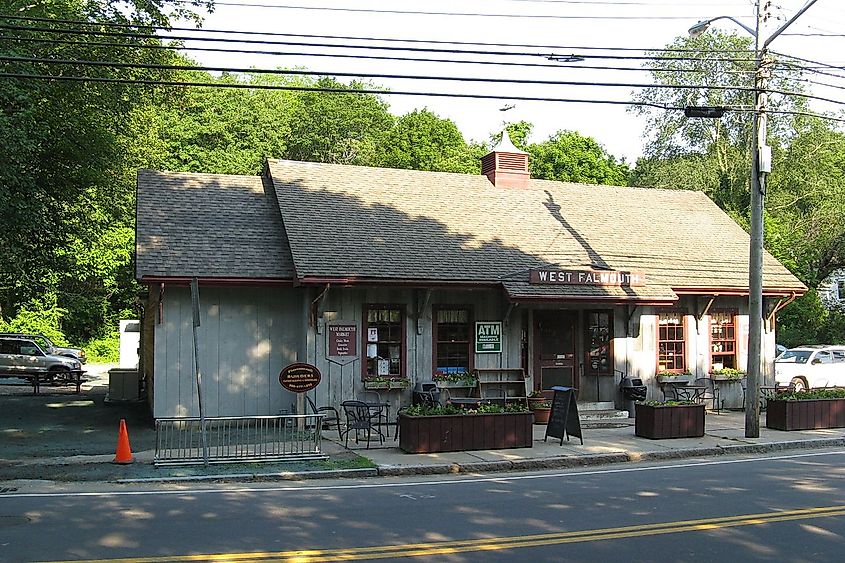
pixel 680 421
pixel 680 378
pixel 455 433
pixel 806 414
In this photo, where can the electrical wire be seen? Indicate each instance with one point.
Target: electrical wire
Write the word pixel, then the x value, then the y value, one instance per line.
pixel 354 38
pixel 573 66
pixel 346 46
pixel 450 14
pixel 385 93
pixel 371 57
pixel 294 72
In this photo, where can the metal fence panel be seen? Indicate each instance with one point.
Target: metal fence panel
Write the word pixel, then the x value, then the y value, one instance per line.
pixel 231 439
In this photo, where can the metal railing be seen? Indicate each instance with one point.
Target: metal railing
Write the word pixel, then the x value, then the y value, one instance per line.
pixel 231 439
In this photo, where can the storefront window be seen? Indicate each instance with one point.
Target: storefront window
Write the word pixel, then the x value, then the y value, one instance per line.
pixel 670 342
pixel 452 341
pixel 722 340
pixel 384 341
pixel 599 338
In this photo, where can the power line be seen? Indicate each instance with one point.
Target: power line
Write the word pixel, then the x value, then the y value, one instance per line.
pixel 354 38
pixel 380 92
pixel 238 85
pixel 577 66
pixel 809 61
pixel 288 72
pixel 346 46
pixel 451 14
pixel 376 57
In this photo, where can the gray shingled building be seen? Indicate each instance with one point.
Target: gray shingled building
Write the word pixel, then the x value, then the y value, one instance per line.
pixel 387 278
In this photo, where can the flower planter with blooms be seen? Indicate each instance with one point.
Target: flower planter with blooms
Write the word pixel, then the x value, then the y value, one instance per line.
pixel 669 419
pixel 454 379
pixel 541 406
pixel 427 429
pixel 806 410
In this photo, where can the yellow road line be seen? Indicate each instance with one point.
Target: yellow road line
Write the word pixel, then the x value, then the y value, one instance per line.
pixel 495 544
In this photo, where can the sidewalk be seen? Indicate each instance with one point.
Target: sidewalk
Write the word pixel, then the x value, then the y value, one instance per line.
pixel 62 436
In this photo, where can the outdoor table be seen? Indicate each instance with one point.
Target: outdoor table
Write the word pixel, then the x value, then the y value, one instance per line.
pixel 683 392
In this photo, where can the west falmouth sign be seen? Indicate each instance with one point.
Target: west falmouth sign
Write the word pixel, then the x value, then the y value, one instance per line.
pixel 585 277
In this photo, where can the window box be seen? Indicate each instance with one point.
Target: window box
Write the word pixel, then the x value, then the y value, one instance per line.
pixel 805 414
pixel 382 384
pixel 674 377
pixel 462 432
pixel 669 421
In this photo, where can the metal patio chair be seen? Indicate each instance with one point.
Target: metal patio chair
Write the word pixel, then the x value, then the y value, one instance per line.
pixel 330 415
pixel 709 393
pixel 359 417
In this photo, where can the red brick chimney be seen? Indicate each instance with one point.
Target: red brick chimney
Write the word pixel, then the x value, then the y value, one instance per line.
pixel 506 166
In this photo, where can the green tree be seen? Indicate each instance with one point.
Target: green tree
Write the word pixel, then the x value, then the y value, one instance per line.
pixel 568 156
pixel 421 140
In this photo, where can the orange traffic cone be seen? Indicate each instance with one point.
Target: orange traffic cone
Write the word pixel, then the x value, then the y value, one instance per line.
pixel 124 452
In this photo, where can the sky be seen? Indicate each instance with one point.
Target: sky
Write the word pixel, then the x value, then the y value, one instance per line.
pixel 570 25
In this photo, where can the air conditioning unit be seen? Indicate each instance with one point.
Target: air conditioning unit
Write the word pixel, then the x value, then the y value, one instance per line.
pixel 123 385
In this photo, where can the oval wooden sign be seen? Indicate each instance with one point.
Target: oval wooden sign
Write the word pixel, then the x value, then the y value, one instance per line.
pixel 300 378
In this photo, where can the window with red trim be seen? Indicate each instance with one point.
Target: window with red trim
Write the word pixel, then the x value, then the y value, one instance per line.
pixel 452 340
pixel 723 339
pixel 384 341
pixel 671 342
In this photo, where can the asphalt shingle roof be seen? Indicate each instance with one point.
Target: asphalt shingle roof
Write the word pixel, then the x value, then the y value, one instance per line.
pixel 208 226
pixel 351 221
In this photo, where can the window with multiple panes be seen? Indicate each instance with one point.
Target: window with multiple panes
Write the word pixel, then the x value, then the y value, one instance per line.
pixel 723 339
pixel 452 340
pixel 384 341
pixel 598 338
pixel 671 342
pixel 840 288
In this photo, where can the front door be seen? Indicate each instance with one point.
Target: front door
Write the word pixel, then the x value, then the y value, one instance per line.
pixel 554 348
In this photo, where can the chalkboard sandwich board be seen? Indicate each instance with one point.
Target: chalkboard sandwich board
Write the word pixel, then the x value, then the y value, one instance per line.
pixel 564 420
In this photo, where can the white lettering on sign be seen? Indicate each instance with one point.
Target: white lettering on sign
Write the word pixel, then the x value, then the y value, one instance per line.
pixel 587 277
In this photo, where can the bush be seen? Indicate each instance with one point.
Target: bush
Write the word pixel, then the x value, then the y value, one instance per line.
pixel 104 350
pixel 39 317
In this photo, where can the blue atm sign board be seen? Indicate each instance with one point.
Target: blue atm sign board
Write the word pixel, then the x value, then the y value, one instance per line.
pixel 488 337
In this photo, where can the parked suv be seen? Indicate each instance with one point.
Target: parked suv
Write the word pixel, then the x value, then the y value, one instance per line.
pixel 23 356
pixel 47 345
pixel 807 367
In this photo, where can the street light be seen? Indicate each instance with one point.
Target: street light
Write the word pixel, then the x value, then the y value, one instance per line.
pixel 760 165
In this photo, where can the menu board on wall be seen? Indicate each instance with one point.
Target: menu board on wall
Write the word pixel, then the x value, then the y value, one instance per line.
pixel 341 342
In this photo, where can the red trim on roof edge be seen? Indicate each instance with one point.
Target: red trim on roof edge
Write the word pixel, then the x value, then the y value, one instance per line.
pixel 768 292
pixel 216 281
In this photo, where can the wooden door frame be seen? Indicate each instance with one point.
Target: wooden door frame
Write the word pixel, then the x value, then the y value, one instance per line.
pixel 560 314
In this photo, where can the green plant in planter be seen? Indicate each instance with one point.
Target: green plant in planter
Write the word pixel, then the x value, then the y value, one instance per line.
pixel 812 394
pixel 728 373
pixel 545 404
pixel 465 378
pixel 428 410
pixel 673 374
pixel 668 403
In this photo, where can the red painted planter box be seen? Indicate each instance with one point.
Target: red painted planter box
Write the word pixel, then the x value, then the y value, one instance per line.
pixel 679 421
pixel 455 433
pixel 806 414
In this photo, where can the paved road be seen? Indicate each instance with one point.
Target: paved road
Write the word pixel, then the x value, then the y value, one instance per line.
pixel 777 508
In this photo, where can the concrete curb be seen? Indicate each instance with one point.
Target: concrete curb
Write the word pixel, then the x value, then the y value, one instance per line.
pixel 572 462
pixel 531 464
